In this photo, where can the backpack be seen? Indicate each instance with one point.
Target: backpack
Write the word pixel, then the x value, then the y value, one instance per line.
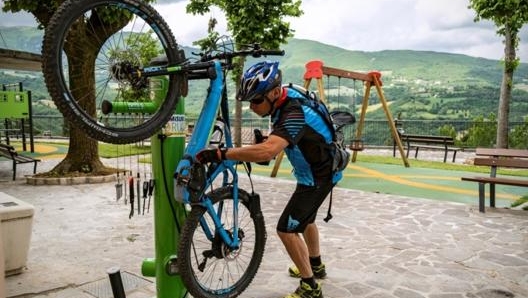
pixel 335 121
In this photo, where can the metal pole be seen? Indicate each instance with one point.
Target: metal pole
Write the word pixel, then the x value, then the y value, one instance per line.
pixel 167 150
pixel 116 282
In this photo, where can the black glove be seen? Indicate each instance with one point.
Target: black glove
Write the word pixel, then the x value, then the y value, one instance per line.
pixel 209 155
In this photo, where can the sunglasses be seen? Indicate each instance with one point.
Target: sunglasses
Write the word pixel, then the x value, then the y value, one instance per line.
pixel 257 100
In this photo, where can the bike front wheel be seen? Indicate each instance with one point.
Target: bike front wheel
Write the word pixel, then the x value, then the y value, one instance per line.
pixel 207 266
pixel 93 52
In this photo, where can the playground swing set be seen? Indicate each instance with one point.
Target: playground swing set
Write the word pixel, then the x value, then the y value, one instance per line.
pixel 315 69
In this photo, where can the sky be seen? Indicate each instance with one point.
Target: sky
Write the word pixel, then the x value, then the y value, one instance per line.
pixel 373 25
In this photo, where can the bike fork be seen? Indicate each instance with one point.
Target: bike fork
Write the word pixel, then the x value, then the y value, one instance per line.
pixel 230 241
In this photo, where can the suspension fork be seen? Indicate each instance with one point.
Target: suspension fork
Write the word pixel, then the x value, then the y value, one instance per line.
pixel 216 215
pixel 232 241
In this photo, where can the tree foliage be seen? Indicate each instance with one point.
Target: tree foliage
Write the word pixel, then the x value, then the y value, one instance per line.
pixel 141 48
pixel 519 136
pixel 82 47
pixel 252 21
pixel 509 17
pixel 482 132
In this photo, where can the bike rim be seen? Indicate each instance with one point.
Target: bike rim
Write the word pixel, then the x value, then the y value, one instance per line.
pixel 126 109
pixel 224 271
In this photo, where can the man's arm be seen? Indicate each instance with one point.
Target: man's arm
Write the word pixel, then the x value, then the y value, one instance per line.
pixel 259 152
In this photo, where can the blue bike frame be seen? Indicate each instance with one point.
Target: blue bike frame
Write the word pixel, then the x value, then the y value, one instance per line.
pixel 200 140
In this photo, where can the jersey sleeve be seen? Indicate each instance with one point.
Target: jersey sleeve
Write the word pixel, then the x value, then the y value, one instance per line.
pixel 291 124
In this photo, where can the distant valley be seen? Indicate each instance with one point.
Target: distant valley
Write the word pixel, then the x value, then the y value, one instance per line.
pixel 418 84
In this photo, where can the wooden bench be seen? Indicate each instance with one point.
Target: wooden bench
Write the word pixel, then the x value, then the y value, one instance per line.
pixel 9 152
pixel 494 158
pixel 445 143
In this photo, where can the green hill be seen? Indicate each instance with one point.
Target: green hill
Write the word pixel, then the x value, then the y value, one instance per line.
pixel 419 84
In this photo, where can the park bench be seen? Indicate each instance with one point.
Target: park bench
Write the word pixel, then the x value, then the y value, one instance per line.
pixel 494 158
pixel 9 152
pixel 415 141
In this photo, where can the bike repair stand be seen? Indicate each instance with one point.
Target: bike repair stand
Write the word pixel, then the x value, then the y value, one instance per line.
pixel 167 149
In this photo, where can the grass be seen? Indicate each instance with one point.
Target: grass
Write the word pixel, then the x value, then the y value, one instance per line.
pixel 107 150
pixel 521 201
pixel 111 150
pixel 438 165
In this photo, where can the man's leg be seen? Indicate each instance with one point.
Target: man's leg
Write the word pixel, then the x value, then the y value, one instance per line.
pixel 298 252
pixel 311 237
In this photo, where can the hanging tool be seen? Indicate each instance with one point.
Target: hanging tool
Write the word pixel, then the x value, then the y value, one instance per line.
pixel 150 191
pixel 126 178
pixel 119 187
pixel 145 194
pixel 131 190
pixel 138 184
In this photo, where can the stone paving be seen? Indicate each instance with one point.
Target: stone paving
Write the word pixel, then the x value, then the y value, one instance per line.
pixel 377 245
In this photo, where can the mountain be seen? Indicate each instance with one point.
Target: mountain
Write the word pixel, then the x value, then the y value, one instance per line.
pixel 418 84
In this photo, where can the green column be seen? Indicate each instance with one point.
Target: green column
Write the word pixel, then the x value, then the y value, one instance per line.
pixel 167 150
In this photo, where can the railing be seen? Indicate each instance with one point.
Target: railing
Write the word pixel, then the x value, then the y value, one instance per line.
pixel 375 132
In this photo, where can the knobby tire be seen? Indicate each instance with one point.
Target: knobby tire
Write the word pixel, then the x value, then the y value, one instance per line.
pixel 222 277
pixel 71 97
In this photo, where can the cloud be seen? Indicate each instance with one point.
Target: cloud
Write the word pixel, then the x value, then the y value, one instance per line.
pixel 442 26
pixel 187 27
pixel 17 19
pixel 376 25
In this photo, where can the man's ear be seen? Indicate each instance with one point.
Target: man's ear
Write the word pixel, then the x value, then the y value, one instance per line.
pixel 277 92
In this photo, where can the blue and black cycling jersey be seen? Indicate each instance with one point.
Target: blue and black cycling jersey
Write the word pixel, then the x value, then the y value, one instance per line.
pixel 308 136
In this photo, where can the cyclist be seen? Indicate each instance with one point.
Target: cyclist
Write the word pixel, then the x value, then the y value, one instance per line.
pixel 303 135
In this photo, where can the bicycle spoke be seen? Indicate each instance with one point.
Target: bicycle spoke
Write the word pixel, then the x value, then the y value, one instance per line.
pixel 210 267
pixel 92 51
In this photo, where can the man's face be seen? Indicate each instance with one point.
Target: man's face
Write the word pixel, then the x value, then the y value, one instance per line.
pixel 262 105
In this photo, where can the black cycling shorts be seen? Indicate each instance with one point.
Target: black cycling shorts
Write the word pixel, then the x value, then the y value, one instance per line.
pixel 302 207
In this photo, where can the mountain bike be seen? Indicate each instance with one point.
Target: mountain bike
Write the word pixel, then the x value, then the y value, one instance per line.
pixel 99 43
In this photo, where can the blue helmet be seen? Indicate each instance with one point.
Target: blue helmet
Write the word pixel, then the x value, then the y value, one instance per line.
pixel 259 79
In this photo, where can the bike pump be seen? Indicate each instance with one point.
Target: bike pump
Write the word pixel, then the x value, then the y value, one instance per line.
pixel 167 149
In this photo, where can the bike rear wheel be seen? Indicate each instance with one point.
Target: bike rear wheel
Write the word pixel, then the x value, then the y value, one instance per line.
pixel 210 269
pixel 92 50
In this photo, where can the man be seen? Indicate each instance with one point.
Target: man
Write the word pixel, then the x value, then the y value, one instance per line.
pixel 304 136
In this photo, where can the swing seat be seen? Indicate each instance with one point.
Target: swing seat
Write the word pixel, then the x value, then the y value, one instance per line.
pixel 313 70
pixel 342 118
pixel 357 145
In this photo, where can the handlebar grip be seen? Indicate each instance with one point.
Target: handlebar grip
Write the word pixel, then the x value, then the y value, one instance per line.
pixel 269 52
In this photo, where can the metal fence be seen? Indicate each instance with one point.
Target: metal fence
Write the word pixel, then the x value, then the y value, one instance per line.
pixel 375 132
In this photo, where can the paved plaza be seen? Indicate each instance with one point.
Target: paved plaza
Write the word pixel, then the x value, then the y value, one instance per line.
pixel 376 246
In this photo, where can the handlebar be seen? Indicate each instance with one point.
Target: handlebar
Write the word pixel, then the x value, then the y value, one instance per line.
pixel 255 53
pixel 201 69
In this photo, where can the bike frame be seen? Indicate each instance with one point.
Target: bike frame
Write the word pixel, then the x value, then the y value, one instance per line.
pixel 216 99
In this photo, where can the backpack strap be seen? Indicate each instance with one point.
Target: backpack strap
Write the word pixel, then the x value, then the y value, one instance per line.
pixel 310 99
pixel 328 212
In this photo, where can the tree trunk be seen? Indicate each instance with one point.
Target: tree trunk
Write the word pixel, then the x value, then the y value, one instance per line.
pixel 238 123
pixel 83 152
pixel 82 157
pixel 506 89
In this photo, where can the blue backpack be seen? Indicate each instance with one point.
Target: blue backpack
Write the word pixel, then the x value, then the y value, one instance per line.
pixel 335 121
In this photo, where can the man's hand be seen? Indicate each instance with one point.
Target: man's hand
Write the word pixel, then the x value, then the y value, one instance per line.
pixel 209 155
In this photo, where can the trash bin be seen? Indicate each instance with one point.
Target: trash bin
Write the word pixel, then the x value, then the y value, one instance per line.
pixel 16 219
